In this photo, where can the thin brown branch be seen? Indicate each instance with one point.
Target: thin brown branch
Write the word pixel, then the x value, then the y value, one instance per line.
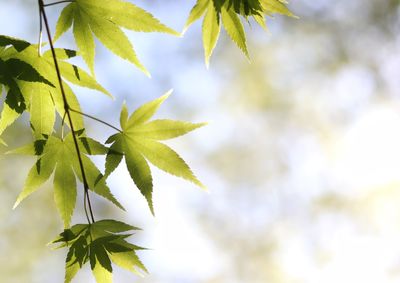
pixel 96 119
pixel 68 113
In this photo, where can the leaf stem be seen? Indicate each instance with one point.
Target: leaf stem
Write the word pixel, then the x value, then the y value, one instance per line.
pixel 96 119
pixel 58 2
pixel 62 126
pixel 68 114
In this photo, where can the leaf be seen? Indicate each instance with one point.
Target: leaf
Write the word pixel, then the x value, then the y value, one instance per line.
pixel 197 11
pixel 92 147
pixel 60 155
pixel 8 116
pixel 64 22
pixel 230 12
pixel 101 274
pixel 146 111
pixel 18 44
pixel 211 30
pixel 42 112
pixel 100 244
pixel 18 69
pixel 139 171
pixel 73 102
pixel 113 226
pixel 41 171
pixel 64 188
pixel 128 15
pixel 115 40
pixel 276 7
pixel 165 129
pixel 166 159
pixel 35 148
pixel 129 261
pixel 83 37
pixel 123 119
pixel 137 143
pixel 61 54
pixel 98 255
pixel 113 158
pixel 105 19
pixel 234 28
pixel 79 77
pixel 20 92
pixel 76 257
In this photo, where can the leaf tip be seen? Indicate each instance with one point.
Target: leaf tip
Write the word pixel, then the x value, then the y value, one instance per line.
pixel 17 202
pixel 168 93
pixel 3 142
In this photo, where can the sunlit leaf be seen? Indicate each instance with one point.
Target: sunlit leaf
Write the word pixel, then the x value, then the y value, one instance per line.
pixel 137 143
pixel 211 30
pixel 232 13
pixel 234 28
pixel 105 19
pixel 60 155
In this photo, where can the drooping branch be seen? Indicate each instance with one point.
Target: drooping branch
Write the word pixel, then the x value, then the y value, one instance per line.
pixel 68 114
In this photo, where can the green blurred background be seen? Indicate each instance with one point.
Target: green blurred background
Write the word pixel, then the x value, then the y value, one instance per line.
pixel 301 155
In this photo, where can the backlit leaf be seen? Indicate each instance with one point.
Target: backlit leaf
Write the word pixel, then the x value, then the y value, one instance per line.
pixel 137 143
pixel 64 188
pixel 105 19
pixel 211 30
pixel 234 28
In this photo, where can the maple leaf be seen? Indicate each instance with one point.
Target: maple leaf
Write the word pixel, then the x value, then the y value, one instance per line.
pixel 228 12
pixel 40 95
pixel 100 243
pixel 105 19
pixel 59 155
pixel 139 142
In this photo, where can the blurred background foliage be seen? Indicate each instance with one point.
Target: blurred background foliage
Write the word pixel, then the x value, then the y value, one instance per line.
pixel 301 156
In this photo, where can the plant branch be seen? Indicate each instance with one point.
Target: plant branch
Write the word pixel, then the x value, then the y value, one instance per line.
pixel 68 114
pixel 96 119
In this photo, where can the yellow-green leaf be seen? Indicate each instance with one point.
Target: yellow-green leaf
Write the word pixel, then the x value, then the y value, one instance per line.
pixel 234 28
pixel 114 39
pixel 84 37
pixel 64 21
pixel 197 11
pixel 211 29
pixel 166 159
pixel 101 274
pixel 129 261
pixel 139 171
pixel 42 112
pixel 65 188
pixel 146 111
pixel 165 129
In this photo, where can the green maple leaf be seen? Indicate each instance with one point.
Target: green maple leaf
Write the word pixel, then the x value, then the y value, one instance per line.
pixel 40 95
pixel 17 43
pixel 139 142
pixel 59 155
pixel 104 19
pixel 228 12
pixel 100 243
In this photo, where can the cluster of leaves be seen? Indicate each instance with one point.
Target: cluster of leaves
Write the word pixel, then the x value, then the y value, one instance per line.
pixel 100 243
pixel 229 12
pixel 34 84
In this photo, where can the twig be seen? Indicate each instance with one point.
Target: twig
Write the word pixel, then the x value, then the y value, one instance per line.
pixel 96 119
pixel 68 113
